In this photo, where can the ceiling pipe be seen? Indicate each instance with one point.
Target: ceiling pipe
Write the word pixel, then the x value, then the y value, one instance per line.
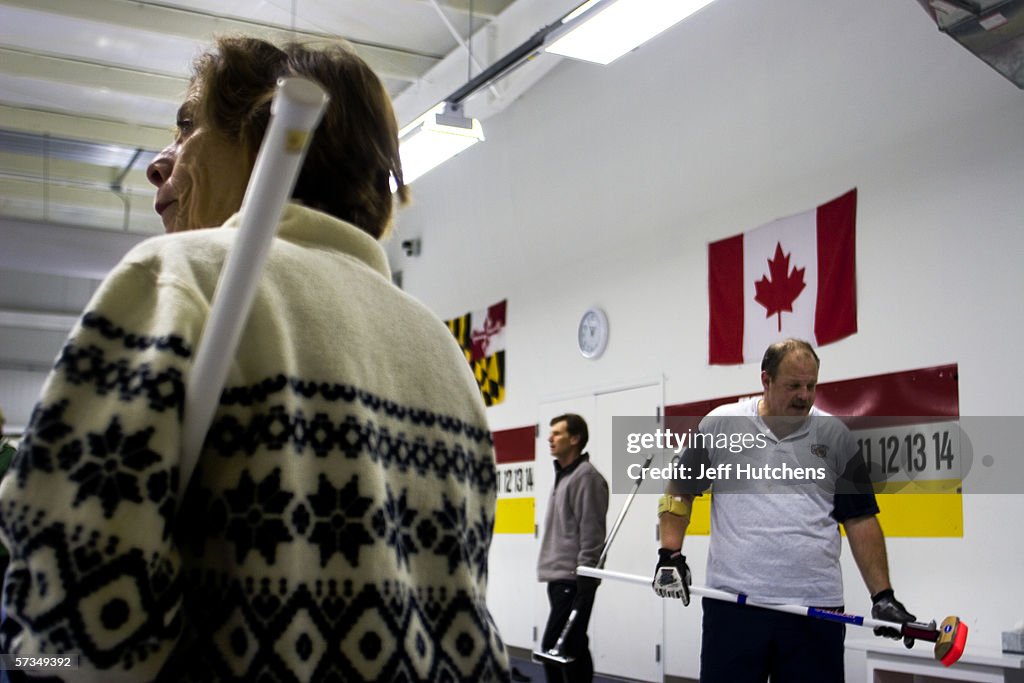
pixel 116 184
pixel 526 50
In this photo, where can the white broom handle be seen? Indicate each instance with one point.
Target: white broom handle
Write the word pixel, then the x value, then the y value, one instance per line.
pixel 295 112
pixel 852 619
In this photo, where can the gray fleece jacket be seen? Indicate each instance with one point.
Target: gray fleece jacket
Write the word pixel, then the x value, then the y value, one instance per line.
pixel 574 526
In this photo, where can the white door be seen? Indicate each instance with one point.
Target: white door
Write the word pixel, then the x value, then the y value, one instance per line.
pixel 627 624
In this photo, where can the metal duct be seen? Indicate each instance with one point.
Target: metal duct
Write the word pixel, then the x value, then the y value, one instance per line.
pixel 991 29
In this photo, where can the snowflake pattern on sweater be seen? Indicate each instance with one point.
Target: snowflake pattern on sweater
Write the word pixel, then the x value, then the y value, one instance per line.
pixel 337 525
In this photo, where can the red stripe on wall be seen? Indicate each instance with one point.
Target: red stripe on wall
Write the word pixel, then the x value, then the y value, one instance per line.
pixel 514 445
pixel 835 314
pixel 926 392
pixel 725 301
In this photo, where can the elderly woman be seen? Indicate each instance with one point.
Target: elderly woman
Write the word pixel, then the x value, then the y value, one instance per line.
pixel 338 523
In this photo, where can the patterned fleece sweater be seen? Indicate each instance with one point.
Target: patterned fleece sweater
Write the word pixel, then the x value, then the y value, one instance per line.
pixel 338 523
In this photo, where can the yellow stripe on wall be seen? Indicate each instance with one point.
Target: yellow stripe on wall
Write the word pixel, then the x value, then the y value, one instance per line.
pixel 514 516
pixel 700 516
pixel 922 515
pixel 913 515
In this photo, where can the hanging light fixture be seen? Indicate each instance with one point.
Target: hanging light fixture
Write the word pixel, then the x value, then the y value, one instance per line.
pixel 596 31
pixel 601 31
pixel 435 137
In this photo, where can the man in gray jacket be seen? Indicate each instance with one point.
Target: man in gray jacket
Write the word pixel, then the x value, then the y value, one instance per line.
pixel 574 532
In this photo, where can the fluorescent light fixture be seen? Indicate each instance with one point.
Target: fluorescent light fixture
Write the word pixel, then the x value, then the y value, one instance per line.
pixel 601 31
pixel 434 138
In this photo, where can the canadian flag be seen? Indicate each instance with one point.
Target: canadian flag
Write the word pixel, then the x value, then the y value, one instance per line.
pixel 793 277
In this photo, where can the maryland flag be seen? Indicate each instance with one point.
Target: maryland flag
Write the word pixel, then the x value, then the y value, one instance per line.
pixel 481 334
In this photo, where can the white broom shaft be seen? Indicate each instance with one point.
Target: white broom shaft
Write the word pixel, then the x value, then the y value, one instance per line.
pixel 295 112
pixel 852 619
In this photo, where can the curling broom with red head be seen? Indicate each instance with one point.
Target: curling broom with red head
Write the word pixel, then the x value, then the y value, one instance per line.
pixel 950 637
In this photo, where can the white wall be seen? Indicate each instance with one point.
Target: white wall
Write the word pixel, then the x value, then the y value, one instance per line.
pixel 19 390
pixel 604 185
pixel 27 353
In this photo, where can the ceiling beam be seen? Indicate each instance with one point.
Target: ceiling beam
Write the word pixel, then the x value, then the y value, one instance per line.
pixel 388 62
pixel 22 366
pixel 86 207
pixel 84 128
pixel 486 9
pixel 40 168
pixel 54 321
pixel 46 67
pixel 74 192
pixel 62 249
pixel 134 219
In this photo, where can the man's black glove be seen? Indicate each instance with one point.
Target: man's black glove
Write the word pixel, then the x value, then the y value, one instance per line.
pixel 672 576
pixel 887 608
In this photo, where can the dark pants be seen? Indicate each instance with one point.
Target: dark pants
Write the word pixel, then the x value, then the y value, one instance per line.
pixel 750 645
pixel 561 596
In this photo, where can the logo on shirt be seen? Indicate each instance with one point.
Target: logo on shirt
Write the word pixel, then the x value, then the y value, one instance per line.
pixel 819 449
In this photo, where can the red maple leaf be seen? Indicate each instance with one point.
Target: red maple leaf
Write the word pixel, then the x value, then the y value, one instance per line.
pixel 778 293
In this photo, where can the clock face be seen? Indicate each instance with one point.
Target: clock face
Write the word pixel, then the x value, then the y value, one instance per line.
pixel 592 335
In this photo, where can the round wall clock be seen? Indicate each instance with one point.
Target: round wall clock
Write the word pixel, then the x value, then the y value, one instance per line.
pixel 592 334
